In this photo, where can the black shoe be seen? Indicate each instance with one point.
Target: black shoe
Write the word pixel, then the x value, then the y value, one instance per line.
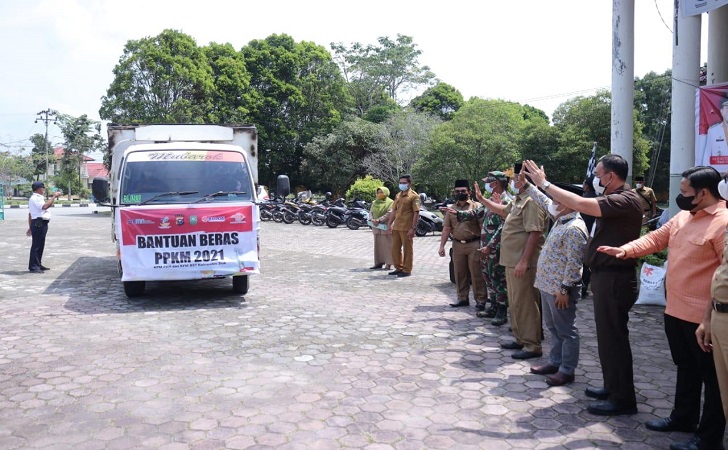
pixel 395 272
pixel 460 304
pixel 403 274
pixel 547 369
pixel 480 307
pixel 696 443
pixel 36 271
pixel 42 267
pixel 377 266
pixel 501 317
pixel 490 312
pixel 597 393
pixel 525 354
pixel 667 424
pixel 607 408
pixel 511 346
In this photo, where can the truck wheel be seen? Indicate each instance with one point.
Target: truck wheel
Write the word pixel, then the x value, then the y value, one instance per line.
pixel 134 288
pixel 240 284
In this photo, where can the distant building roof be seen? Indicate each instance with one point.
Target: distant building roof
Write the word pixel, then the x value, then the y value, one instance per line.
pixel 96 170
pixel 58 152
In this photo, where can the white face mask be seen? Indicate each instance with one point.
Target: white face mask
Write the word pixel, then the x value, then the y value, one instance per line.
pixel 553 209
pixel 723 189
pixel 599 189
pixel 488 188
pixel 639 185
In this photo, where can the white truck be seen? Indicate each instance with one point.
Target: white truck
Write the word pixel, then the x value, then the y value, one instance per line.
pixel 183 203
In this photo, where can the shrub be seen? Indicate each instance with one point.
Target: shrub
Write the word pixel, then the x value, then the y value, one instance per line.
pixel 364 188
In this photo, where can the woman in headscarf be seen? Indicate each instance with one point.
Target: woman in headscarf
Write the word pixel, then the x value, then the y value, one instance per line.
pixel 381 207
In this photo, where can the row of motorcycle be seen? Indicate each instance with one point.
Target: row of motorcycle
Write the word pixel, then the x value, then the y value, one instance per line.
pixel 353 215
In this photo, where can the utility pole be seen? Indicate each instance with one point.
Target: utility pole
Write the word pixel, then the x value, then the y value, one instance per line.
pixel 46 116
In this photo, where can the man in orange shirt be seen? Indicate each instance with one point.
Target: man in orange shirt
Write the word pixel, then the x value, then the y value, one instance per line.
pixel 696 239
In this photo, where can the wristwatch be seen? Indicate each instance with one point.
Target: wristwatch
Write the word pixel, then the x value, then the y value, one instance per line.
pixel 546 185
pixel 565 290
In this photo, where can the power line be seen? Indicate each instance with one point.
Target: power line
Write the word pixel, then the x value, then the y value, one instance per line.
pixel 661 18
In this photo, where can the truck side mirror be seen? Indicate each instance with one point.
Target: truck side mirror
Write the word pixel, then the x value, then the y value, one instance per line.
pixel 283 186
pixel 100 190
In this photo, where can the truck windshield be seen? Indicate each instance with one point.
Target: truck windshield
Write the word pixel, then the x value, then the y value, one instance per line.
pixel 149 174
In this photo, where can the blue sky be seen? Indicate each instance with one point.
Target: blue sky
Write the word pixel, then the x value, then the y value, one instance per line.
pixel 60 54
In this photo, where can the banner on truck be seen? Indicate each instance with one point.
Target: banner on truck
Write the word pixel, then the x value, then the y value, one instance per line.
pixel 711 126
pixel 187 243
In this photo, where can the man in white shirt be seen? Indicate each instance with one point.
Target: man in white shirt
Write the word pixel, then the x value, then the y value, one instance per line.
pixel 38 218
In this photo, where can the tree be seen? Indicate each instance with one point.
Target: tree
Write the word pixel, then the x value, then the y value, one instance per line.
pixel 81 135
pixel 482 136
pixel 40 154
pixel 13 168
pixel 374 73
pixel 652 101
pixel 335 159
pixel 231 98
pixel 441 100
pixel 401 142
pixel 302 94
pixel 582 121
pixel 162 79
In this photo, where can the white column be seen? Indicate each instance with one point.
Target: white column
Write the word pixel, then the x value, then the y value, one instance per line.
pixel 685 73
pixel 623 79
pixel 717 45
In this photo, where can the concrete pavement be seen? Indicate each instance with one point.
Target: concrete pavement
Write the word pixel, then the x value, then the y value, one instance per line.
pixel 321 353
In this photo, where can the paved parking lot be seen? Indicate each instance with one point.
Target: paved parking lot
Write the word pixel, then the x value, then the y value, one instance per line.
pixel 321 353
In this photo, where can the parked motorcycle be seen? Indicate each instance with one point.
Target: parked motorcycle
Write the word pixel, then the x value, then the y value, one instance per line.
pixel 428 222
pixel 353 217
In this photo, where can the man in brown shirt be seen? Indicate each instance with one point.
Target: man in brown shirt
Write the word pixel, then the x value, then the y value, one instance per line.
pixel 618 215
pixel 521 241
pixel 402 224
pixel 466 248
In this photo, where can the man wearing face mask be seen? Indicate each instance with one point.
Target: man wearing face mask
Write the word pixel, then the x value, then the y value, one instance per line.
pixel 401 225
pixel 558 278
pixel 647 197
pixel 522 238
pixel 465 245
pixel 695 239
pixel 618 213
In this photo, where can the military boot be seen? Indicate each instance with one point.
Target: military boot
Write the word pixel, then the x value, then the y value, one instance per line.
pixel 501 316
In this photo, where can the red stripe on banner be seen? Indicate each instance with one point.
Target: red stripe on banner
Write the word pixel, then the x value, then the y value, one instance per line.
pixel 171 221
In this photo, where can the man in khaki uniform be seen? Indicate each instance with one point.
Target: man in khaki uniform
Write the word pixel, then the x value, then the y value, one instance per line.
pixel 647 197
pixel 402 224
pixel 521 241
pixel 466 248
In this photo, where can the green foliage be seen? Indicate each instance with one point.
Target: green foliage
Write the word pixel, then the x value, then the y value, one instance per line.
pixel 652 102
pixel 380 113
pixel 441 100
pixel 81 135
pixel 333 161
pixel 41 154
pixel 375 72
pixel 364 189
pixel 401 142
pixel 161 79
pixel 303 95
pixel 482 136
pixel 231 98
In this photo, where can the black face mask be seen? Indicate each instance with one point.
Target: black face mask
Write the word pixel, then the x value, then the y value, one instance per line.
pixel 685 203
pixel 461 196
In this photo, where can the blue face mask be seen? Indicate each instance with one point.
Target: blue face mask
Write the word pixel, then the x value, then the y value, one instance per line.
pixel 403 186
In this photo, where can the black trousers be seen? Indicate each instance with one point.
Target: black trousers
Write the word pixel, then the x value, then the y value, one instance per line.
pixel 695 368
pixel 614 294
pixel 38 230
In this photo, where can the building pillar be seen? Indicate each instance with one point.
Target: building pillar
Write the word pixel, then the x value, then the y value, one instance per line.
pixel 685 76
pixel 622 142
pixel 717 45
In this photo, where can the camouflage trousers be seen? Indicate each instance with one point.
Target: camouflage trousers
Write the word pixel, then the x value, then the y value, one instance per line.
pixel 495 281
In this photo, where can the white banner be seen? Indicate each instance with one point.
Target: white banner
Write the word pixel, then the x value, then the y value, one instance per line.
pixel 189 242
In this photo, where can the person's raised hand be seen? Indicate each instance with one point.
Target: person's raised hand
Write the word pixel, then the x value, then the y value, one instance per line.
pixel 537 174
